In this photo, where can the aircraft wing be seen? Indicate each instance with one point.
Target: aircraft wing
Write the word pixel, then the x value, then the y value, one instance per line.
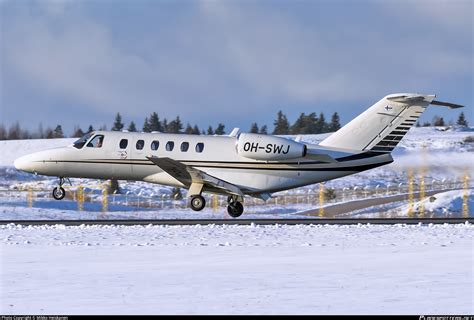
pixel 188 175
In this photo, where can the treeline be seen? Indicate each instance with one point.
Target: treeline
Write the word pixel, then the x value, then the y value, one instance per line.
pixel 439 122
pixel 15 132
pixel 305 124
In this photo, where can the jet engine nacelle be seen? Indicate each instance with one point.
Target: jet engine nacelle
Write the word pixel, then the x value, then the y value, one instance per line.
pixel 270 148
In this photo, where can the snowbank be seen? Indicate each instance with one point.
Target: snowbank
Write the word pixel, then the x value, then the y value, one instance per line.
pixel 364 269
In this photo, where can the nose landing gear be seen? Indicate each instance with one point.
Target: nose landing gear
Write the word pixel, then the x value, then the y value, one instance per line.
pixel 197 202
pixel 58 192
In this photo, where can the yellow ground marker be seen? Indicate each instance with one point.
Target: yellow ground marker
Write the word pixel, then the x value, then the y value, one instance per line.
pixel 321 200
pixel 29 197
pixel 410 193
pixel 465 198
pixel 80 198
pixel 105 199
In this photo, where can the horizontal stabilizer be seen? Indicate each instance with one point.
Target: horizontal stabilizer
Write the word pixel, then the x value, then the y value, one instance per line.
pixel 446 104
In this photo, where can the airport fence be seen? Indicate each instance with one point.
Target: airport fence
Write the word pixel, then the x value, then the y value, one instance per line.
pixel 99 198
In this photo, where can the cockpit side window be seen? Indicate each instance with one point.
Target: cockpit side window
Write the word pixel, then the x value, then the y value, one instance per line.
pixel 79 143
pixel 96 142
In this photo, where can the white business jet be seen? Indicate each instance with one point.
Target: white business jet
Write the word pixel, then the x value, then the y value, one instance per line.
pixel 238 164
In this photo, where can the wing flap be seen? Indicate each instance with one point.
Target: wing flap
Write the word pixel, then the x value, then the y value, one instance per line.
pixel 188 175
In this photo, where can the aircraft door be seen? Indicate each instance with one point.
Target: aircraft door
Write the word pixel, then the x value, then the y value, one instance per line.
pixel 120 155
pixel 139 153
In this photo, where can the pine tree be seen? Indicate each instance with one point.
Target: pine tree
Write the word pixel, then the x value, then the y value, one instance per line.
pixel 263 129
pixel 118 125
pixel 14 133
pixel 321 125
pixel 210 131
pixel 78 132
pixel 254 128
pixel 438 121
pixel 282 126
pixel 40 131
pixel 3 132
pixel 165 125
pixel 175 126
pixel 49 133
pixel 220 129
pixel 196 130
pixel 335 124
pixel 146 125
pixel 462 120
pixel 311 124
pixel 298 126
pixel 155 123
pixel 58 132
pixel 132 127
pixel 189 129
pixel 90 129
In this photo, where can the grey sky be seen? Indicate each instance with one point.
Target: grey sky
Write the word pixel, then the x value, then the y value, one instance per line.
pixel 236 62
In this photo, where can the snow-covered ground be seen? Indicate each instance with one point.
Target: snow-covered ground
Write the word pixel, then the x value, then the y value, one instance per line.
pixel 361 269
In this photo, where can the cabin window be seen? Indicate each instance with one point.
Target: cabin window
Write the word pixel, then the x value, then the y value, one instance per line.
pixel 169 146
pixel 123 144
pixel 184 146
pixel 200 147
pixel 140 144
pixel 155 144
pixel 96 142
pixel 82 141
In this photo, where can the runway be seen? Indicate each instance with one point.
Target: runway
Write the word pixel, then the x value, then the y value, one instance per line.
pixel 347 207
pixel 309 221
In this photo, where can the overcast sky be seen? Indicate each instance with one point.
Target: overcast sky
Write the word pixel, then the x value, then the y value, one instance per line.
pixel 236 62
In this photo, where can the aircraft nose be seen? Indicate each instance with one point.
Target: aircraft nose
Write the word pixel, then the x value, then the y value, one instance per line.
pixel 23 163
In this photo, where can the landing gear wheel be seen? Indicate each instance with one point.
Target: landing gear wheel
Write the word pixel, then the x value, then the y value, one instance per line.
pixel 197 202
pixel 59 193
pixel 235 209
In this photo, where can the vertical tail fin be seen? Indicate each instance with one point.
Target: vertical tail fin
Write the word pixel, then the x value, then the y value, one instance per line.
pixel 383 125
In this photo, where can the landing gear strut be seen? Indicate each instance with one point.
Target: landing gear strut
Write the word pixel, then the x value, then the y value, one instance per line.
pixel 58 192
pixel 235 208
pixel 197 202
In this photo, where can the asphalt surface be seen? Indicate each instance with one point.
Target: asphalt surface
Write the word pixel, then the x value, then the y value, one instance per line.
pixel 350 206
pixel 314 221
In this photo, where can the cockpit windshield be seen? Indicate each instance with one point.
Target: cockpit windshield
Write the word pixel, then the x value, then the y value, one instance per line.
pixel 82 141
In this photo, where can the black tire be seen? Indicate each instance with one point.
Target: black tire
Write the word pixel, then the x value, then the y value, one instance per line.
pixel 197 202
pixel 59 193
pixel 235 209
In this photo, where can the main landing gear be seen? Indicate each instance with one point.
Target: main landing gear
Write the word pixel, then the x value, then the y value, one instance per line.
pixel 234 208
pixel 58 192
